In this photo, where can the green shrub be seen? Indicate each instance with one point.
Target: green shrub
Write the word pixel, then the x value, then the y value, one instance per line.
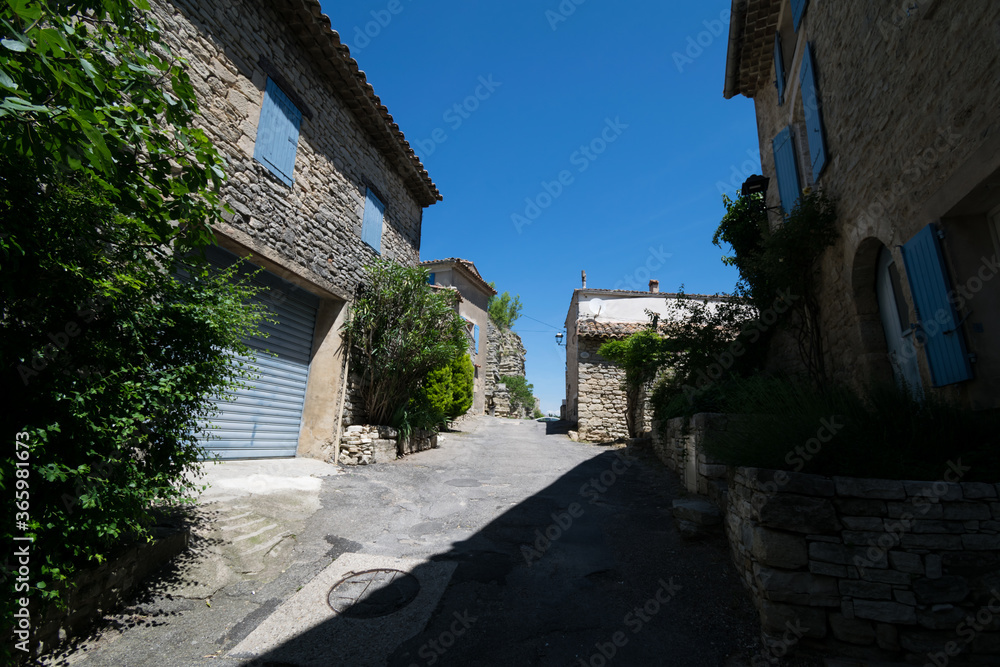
pixel 462 377
pixel 445 394
pixel 522 399
pixel 790 425
pixel 400 330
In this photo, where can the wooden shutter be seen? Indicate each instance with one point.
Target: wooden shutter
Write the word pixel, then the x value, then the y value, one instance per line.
pixel 798 10
pixel 779 69
pixel 939 329
pixel 786 170
pixel 278 133
pixel 430 278
pixel 814 119
pixel 371 226
pixel 475 338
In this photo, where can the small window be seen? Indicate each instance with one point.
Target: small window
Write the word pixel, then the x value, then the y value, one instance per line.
pixel 278 133
pixel 430 278
pixel 371 225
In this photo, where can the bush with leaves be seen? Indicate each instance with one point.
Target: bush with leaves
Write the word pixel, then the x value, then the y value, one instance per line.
pixel 400 329
pixel 108 359
pixel 446 394
pixel 504 310
pixel 522 398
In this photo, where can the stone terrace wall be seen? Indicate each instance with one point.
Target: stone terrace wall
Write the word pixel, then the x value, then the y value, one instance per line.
pixel 679 444
pixel 872 568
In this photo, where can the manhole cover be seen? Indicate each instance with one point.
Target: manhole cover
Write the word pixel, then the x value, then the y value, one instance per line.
pixel 373 593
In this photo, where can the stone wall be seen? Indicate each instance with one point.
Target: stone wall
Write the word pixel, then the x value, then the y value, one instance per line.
pixel 367 444
pixel 875 569
pixel 315 224
pixel 100 590
pixel 601 407
pixel 908 135
pixel 504 356
pixel 680 444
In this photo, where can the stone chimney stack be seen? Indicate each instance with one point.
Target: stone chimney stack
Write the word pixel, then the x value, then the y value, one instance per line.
pixel 654 286
pixel 583 275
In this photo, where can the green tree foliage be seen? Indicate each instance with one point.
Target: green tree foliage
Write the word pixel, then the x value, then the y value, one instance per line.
pixel 400 330
pixel 522 399
pixel 640 356
pixel 504 310
pixel 780 263
pixel 108 359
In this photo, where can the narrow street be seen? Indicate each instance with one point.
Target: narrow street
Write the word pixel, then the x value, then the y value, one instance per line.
pixel 529 549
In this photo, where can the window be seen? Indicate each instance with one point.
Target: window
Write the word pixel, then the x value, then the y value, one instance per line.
pixel 938 326
pixel 798 10
pixel 786 169
pixel 779 68
pixel 815 136
pixel 371 224
pixel 430 278
pixel 278 133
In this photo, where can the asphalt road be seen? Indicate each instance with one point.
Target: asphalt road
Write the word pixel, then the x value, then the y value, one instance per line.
pixel 531 550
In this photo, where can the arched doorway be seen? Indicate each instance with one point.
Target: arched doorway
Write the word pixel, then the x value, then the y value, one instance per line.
pixel 900 335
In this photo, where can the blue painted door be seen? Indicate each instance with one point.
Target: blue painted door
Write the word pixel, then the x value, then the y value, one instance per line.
pixel 264 419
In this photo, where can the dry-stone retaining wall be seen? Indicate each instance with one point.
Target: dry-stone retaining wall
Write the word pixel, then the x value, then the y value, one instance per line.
pixel 366 444
pixel 679 444
pixel 881 569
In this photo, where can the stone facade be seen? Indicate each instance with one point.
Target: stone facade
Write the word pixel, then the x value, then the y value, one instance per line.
pixel 309 232
pixel 874 569
pixel 602 404
pixel 912 138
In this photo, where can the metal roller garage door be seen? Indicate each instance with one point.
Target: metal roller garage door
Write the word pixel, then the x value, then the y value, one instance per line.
pixel 263 421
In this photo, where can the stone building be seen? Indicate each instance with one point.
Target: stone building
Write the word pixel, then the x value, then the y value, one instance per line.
pixel 595 394
pixel 474 293
pixel 321 180
pixel 891 108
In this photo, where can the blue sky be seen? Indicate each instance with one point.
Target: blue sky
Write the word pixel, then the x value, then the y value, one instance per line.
pixel 593 139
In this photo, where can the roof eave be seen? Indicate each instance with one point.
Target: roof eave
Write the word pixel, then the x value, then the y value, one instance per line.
pixel 737 24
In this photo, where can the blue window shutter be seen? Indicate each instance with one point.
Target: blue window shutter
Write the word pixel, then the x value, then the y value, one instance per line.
pixel 786 169
pixel 814 119
pixel 798 9
pixel 475 338
pixel 942 339
pixel 430 278
pixel 779 69
pixel 371 225
pixel 278 133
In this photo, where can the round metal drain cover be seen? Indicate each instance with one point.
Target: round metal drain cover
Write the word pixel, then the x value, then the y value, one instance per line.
pixel 373 593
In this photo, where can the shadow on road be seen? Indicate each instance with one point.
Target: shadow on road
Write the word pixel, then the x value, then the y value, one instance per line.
pixel 588 571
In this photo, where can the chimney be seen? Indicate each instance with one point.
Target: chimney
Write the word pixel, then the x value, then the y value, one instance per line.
pixel 654 286
pixel 583 275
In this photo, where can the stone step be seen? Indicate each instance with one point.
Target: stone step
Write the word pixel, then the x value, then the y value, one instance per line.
pixel 697 511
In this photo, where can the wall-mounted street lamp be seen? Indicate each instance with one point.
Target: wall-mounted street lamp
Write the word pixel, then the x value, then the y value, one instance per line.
pixel 755 184
pixel 559 338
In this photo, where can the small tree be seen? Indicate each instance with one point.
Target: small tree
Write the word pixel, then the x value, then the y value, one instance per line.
pixel 504 310
pixel 522 399
pixel 400 329
pixel 640 356
pixel 462 377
